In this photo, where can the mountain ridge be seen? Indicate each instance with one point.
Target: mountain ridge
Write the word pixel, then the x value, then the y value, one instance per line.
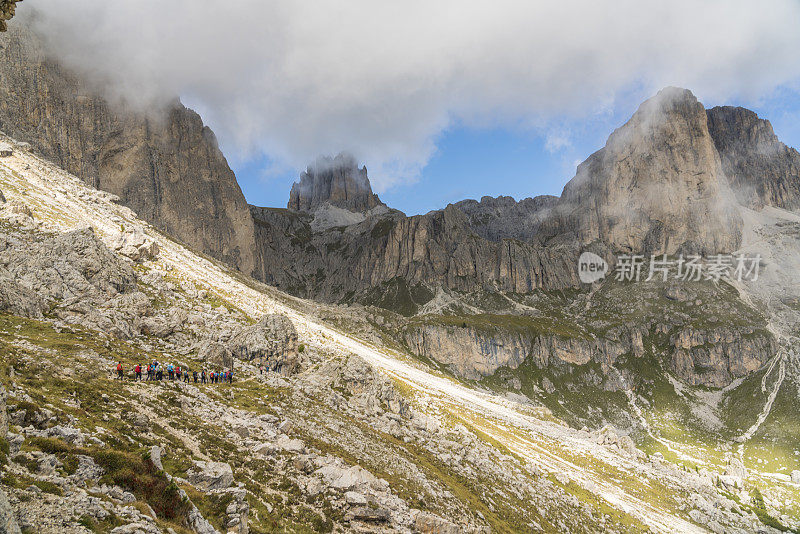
pixel 660 185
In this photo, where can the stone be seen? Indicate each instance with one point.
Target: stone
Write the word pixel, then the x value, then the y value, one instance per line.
pixel 8 523
pixel 347 479
pixel 290 445
pixel 796 477
pixel 314 487
pixel 210 476
pixel 216 355
pixel 427 523
pixel 355 499
pixel 137 528
pixel 139 420
pixel 155 457
pixel 548 386
pixel 285 427
pixel 67 433
pixel 272 342
pixel 136 245
pixel 736 468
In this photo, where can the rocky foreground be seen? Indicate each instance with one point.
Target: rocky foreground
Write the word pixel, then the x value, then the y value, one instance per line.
pixel 343 432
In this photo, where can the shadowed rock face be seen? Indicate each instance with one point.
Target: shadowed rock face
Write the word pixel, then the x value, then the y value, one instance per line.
pixel 167 167
pixel 7 9
pixel 761 170
pixel 503 217
pixel 336 181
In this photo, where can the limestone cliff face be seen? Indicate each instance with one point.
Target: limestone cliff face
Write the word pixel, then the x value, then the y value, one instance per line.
pixel 714 358
pixel 467 352
pixel 504 218
pixel 337 181
pixel 167 167
pixel 707 357
pixel 761 170
pixel 657 186
pixel 436 249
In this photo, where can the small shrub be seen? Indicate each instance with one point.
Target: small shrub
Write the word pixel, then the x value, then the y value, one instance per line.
pixel 48 487
pixel 51 445
pixel 301 349
pixel 137 474
pixel 70 464
pixel 4 451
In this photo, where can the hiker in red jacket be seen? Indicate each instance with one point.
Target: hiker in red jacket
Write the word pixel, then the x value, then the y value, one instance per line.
pixel 138 372
pixel 119 370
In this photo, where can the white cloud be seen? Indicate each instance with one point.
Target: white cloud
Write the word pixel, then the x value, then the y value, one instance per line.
pixel 379 78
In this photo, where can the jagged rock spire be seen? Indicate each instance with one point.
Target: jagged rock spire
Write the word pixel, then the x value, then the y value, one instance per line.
pixel 337 181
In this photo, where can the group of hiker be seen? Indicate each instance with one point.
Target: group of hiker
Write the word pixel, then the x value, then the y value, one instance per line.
pixel 156 371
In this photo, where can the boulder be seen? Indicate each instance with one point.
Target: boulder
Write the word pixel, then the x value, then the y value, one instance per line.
pixel 355 498
pixel 8 523
pixel 736 468
pixel 75 266
pixel 216 355
pixel 155 457
pixel 137 528
pixel 210 476
pixel 272 342
pixel 19 300
pixel 290 445
pixel 796 477
pixel 348 479
pixel 136 245
pixel 427 523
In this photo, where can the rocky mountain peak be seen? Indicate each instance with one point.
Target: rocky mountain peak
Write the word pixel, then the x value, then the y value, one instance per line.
pixel 657 185
pixel 336 181
pixel 761 170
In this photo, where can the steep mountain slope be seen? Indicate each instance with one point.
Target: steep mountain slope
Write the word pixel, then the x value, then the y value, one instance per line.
pixel 165 164
pixel 761 170
pixel 463 455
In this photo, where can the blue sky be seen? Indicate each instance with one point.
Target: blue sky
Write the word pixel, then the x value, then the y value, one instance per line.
pixel 473 162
